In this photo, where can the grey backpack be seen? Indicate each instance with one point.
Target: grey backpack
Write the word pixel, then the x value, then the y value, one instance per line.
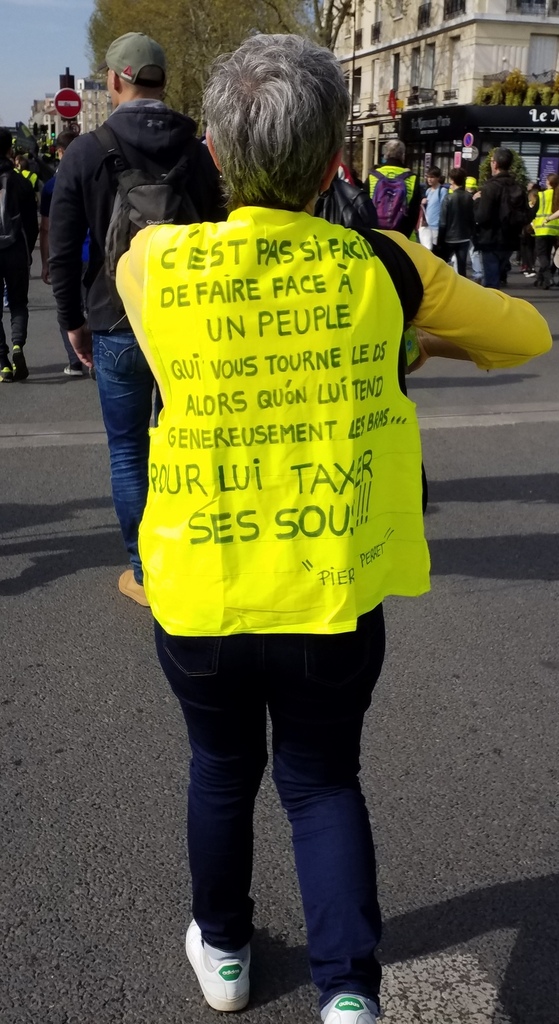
pixel 142 197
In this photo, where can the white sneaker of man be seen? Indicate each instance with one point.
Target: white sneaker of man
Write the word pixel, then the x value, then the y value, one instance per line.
pixel 347 1008
pixel 223 977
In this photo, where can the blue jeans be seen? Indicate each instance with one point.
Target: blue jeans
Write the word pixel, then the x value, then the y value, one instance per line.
pixel 73 359
pixel 317 690
pixel 126 391
pixel 495 267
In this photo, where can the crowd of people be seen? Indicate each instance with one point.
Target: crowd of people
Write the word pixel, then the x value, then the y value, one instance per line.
pixel 263 536
pixel 477 229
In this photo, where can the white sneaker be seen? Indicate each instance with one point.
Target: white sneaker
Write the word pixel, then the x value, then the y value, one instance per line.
pixel 349 1009
pixel 225 984
pixel 72 371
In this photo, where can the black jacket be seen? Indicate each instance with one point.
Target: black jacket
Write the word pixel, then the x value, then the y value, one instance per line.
pixel 83 198
pixel 24 196
pixel 487 213
pixel 457 218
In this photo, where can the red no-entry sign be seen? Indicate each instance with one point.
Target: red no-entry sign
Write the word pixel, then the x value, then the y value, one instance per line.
pixel 67 103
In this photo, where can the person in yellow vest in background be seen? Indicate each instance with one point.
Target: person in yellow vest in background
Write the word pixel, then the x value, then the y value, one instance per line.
pixel 474 254
pixel 23 166
pixel 285 500
pixel 394 190
pixel 546 229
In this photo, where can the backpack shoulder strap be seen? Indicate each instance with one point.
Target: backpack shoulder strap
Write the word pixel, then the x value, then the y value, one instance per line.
pixel 112 150
pixel 108 141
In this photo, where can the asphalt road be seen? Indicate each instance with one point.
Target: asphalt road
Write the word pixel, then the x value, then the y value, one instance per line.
pixel 459 752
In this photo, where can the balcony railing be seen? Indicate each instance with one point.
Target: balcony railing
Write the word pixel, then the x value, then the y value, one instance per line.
pixel 452 8
pixel 424 16
pixel 359 39
pixel 450 94
pixel 419 95
pixel 532 7
pixel 542 78
pixel 375 31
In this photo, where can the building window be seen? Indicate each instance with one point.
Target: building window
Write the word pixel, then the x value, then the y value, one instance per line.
pixel 454 62
pixel 423 16
pixel 415 66
pixel 397 8
pixel 452 8
pixel 374 80
pixel 429 66
pixel 396 72
pixel 542 55
pixel 356 89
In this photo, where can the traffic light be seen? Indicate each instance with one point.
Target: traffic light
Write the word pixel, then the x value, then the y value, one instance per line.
pixel 35 128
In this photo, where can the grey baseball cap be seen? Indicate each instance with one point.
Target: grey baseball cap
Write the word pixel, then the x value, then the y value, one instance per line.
pixel 136 58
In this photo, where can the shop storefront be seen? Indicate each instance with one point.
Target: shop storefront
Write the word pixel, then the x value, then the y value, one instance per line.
pixel 463 135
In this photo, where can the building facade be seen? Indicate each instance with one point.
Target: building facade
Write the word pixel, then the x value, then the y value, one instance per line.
pixel 96 104
pixel 414 69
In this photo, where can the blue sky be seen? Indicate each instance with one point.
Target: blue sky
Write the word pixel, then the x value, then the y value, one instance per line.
pixel 39 39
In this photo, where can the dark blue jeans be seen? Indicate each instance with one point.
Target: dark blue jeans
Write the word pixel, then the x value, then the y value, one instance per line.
pixel 317 690
pixel 126 392
pixel 495 267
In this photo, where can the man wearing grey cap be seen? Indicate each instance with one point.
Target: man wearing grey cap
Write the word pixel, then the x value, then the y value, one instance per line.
pixel 153 138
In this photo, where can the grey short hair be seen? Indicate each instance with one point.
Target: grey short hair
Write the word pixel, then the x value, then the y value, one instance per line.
pixel 276 111
pixel 394 150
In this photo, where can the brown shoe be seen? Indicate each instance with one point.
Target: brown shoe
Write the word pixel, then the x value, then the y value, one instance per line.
pixel 128 586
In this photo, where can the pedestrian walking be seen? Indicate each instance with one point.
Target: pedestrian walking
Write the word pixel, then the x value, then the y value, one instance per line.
pixel 394 190
pixel 431 209
pixel 74 369
pixel 528 238
pixel 145 135
pixel 456 224
pixel 546 230
pixel 501 211
pixel 474 254
pixel 284 506
pixel 18 234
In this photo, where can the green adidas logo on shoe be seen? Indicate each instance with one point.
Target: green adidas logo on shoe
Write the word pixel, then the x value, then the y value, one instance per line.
pixel 230 972
pixel 349 1003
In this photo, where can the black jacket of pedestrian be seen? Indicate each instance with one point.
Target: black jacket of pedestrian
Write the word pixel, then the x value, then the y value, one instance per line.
pixel 487 213
pixel 84 194
pixel 456 222
pixel 24 197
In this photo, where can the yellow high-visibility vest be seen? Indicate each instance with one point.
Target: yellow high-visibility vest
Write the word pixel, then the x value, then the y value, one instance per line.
pixel 545 202
pixel 31 176
pixel 285 472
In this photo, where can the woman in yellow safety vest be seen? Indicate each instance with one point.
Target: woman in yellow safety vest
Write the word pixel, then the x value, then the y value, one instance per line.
pixel 285 500
pixel 546 229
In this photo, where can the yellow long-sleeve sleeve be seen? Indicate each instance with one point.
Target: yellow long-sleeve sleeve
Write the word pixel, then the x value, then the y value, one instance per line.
pixel 495 329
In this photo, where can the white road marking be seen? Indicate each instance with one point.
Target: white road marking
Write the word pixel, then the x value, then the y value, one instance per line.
pixel 39 435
